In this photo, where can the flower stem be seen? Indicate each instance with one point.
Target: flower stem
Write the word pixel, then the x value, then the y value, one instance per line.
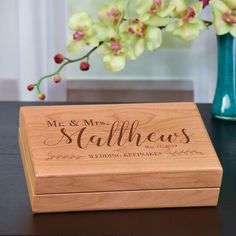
pixel 68 61
pixel 208 23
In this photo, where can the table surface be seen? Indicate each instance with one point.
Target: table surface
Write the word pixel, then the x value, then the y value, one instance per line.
pixel 16 217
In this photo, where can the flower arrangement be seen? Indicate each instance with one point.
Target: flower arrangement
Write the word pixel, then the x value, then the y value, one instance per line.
pixel 125 28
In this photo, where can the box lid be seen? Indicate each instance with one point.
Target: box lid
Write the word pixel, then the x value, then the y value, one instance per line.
pixel 89 148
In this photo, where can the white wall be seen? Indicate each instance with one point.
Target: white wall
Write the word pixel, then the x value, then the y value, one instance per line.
pixel 8 48
pixel 33 31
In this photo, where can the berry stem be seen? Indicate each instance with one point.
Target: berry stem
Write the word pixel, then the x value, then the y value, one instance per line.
pixel 68 61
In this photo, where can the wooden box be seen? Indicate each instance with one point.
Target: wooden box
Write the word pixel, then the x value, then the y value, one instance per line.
pixel 105 157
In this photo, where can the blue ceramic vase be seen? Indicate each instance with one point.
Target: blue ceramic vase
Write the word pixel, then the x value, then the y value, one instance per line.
pixel 224 106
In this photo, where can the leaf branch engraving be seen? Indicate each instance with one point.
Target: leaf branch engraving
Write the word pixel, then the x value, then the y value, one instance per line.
pixel 185 152
pixel 61 157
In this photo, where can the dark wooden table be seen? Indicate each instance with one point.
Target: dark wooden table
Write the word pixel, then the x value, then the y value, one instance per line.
pixel 16 217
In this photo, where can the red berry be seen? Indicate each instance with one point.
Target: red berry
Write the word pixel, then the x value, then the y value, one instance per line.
pixel 41 96
pixel 84 66
pixel 30 87
pixel 57 79
pixel 59 58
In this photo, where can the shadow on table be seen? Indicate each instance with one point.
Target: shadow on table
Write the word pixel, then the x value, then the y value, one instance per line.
pixel 187 221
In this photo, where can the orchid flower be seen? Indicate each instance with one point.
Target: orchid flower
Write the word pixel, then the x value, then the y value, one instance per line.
pixel 83 34
pixel 154 12
pixel 116 52
pixel 140 36
pixel 112 14
pixel 186 25
pixel 224 13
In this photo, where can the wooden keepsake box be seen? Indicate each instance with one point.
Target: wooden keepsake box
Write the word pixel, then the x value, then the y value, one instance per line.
pixel 105 157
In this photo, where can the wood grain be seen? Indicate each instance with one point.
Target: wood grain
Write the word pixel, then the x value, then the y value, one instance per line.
pixel 65 168
pixel 116 200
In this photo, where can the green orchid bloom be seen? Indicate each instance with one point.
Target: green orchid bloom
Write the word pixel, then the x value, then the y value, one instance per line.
pixel 186 25
pixel 104 32
pixel 140 36
pixel 116 52
pixel 154 12
pixel 112 14
pixel 83 32
pixel 224 13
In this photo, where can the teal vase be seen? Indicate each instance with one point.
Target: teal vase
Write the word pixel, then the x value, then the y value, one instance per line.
pixel 224 105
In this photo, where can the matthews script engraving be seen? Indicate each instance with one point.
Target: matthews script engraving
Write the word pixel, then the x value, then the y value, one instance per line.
pixel 119 134
pixel 86 133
